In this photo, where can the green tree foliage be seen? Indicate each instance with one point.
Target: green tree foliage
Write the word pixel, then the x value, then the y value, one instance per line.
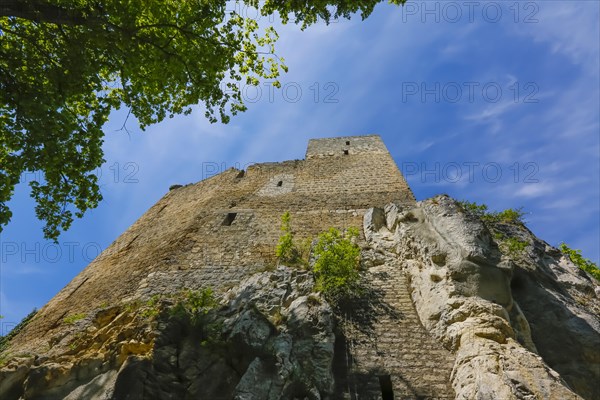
pixel 66 64
pixel 583 263
pixel 336 264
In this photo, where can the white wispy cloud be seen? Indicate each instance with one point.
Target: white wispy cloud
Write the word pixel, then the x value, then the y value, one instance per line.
pixel 535 190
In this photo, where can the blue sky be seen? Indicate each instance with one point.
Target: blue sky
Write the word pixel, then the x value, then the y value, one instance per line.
pixel 495 102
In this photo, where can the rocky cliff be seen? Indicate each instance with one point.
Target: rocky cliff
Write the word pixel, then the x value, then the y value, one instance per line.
pixel 521 323
pixel 503 324
pixel 449 310
pixel 269 337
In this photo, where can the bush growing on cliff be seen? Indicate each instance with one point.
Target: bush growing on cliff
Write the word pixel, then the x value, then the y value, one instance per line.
pixel 511 245
pixel 287 251
pixel 336 264
pixel 582 263
pixel 195 307
pixel 508 216
pixel 476 209
pixel 335 255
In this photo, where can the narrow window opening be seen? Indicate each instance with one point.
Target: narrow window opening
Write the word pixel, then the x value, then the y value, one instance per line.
pixel 347 143
pixel 241 174
pixel 345 152
pixel 387 391
pixel 229 219
pixel 280 183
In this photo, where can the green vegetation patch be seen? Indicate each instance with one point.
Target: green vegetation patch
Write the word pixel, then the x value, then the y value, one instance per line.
pixel 71 319
pixel 336 259
pixel 151 308
pixel 288 252
pixel 336 264
pixel 514 246
pixel 508 216
pixel 582 263
pixel 195 307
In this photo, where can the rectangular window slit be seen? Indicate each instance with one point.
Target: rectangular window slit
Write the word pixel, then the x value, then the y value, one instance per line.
pixel 387 391
pixel 347 143
pixel 229 219
pixel 345 152
pixel 280 183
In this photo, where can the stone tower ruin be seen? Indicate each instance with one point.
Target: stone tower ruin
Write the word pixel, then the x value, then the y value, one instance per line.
pixel 222 231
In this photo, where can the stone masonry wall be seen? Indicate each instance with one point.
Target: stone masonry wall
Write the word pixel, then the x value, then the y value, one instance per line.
pixel 385 341
pixel 222 229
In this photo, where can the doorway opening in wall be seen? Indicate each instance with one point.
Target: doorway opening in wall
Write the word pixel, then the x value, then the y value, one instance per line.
pixel 345 152
pixel 229 219
pixel 280 183
pixel 387 391
pixel 347 143
pixel 241 174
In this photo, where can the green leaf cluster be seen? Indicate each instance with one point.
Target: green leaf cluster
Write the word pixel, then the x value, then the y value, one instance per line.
pixel 195 307
pixel 508 216
pixel 476 209
pixel 306 13
pixel 513 246
pixel 582 263
pixel 195 304
pixel 151 308
pixel 65 65
pixel 336 264
pixel 286 251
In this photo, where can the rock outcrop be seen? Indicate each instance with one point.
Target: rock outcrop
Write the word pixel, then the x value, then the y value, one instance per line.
pixel 449 310
pixel 271 338
pixel 522 324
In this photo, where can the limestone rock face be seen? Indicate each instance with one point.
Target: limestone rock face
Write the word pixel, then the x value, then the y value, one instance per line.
pixel 522 325
pixel 274 340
